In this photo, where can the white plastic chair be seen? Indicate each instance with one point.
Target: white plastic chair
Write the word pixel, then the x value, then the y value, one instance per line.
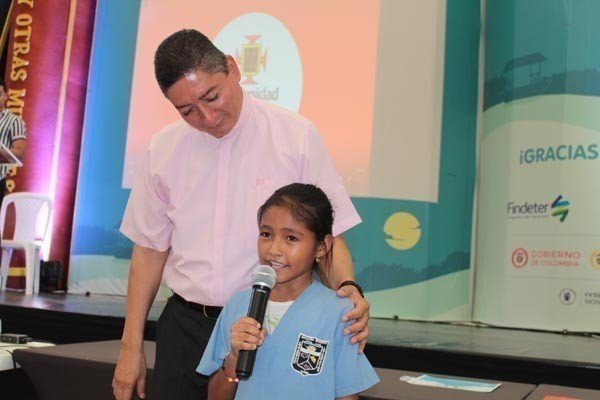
pixel 28 207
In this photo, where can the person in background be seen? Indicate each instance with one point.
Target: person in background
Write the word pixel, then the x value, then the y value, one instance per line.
pixel 192 212
pixel 13 135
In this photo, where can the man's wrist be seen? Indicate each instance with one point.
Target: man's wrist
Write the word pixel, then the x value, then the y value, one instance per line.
pixel 131 344
pixel 352 283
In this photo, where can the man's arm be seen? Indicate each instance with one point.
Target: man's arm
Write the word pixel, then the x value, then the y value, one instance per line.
pixel 18 148
pixel 144 279
pixel 342 269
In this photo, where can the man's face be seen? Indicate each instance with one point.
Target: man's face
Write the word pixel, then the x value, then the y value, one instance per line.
pixel 209 102
pixel 2 98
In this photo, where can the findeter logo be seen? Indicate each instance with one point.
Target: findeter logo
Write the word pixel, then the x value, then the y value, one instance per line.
pixel 563 152
pixel 560 208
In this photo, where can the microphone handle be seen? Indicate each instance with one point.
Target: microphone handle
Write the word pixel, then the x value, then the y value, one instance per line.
pixel 256 310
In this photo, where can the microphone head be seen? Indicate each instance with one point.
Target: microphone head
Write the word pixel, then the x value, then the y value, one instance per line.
pixel 264 275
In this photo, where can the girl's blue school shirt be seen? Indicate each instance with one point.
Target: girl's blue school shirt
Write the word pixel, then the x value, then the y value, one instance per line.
pixel 306 357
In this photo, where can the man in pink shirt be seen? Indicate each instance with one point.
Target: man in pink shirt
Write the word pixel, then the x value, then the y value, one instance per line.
pixel 192 212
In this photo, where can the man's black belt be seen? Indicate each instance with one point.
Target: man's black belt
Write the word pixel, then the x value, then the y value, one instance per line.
pixel 208 311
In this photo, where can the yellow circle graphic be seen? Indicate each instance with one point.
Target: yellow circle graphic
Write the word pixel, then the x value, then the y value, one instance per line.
pixel 595 259
pixel 402 230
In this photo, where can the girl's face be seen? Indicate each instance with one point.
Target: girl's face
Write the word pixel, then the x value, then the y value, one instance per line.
pixel 289 248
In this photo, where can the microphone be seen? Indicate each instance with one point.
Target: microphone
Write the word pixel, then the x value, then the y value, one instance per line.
pixel 263 280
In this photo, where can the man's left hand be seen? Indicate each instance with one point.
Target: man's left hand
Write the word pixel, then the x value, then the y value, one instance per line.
pixel 359 328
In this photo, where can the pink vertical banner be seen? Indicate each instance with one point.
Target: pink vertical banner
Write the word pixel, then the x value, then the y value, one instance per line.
pixel 35 55
pixel 46 77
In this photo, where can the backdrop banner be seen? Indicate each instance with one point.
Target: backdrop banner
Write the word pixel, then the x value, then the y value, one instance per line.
pixel 538 238
pixel 396 106
pixel 46 77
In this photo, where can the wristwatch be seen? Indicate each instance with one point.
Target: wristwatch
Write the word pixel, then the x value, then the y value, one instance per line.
pixel 352 283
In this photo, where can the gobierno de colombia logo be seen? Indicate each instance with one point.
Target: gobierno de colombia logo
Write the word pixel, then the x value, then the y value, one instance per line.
pixel 545 257
pixel 519 258
pixel 558 208
pixel 267 56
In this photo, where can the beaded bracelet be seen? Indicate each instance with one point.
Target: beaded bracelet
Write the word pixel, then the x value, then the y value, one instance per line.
pixel 235 379
pixel 229 378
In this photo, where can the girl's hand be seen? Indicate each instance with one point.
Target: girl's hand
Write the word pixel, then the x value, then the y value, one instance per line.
pixel 246 335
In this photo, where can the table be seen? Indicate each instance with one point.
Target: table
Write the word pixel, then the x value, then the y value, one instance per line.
pixel 552 392
pixel 6 353
pixel 392 388
pixel 78 371
pixel 14 382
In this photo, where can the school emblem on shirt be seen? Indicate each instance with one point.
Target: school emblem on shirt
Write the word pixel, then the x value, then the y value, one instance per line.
pixel 309 355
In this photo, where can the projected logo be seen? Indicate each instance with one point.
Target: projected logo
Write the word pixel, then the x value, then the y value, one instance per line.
pixel 255 38
pixel 251 59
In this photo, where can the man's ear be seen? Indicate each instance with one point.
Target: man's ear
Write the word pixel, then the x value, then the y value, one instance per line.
pixel 233 69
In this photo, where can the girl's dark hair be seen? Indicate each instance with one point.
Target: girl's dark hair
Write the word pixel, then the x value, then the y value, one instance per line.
pixel 309 205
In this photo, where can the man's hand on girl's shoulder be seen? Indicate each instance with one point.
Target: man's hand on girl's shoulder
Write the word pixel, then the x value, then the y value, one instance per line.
pixel 358 330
